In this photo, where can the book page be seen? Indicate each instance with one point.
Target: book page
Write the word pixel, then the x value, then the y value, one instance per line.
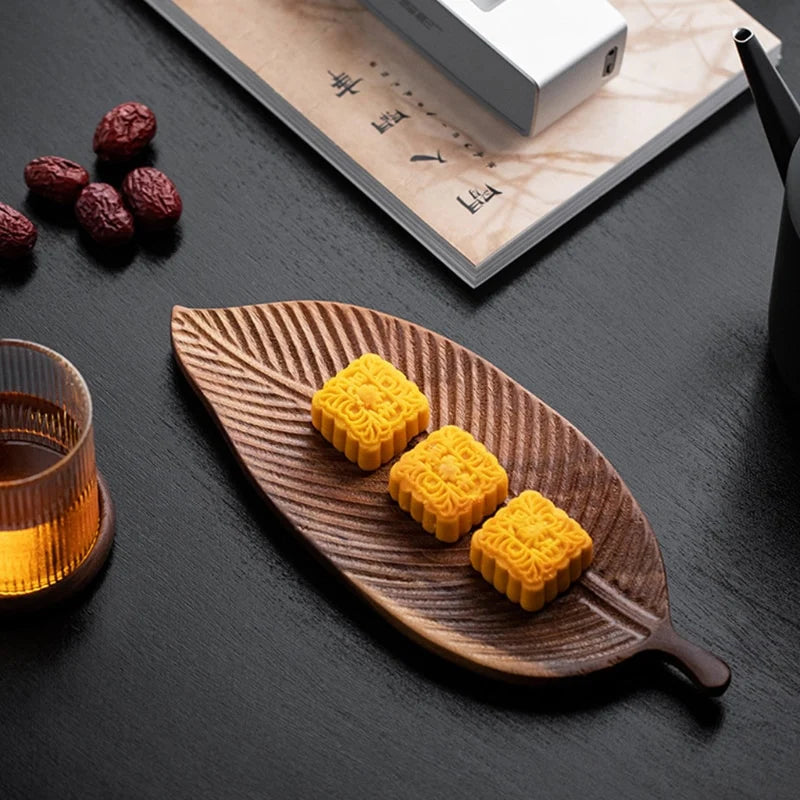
pixel 467 174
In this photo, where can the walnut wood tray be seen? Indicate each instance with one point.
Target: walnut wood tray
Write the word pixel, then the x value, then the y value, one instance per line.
pixel 256 368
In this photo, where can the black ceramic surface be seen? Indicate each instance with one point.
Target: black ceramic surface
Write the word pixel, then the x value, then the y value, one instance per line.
pixel 780 115
pixel 214 658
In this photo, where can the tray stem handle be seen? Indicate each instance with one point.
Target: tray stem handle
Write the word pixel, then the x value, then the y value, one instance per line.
pixel 709 673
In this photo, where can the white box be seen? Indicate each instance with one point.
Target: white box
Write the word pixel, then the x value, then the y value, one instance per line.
pixel 530 61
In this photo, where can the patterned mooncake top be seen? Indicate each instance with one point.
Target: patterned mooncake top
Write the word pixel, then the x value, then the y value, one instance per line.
pixel 372 400
pixel 533 539
pixel 450 472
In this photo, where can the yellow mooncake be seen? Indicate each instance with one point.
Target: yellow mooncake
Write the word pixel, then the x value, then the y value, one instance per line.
pixel 449 483
pixel 531 550
pixel 370 411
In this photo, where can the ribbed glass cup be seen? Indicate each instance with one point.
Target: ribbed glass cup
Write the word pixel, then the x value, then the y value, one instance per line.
pixel 49 504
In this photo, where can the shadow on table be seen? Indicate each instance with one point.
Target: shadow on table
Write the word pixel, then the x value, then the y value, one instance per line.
pixel 41 636
pixel 152 246
pixel 764 475
pixel 17 273
pixel 643 674
pixel 115 258
pixel 114 172
pixel 159 245
pixel 775 415
pixel 54 215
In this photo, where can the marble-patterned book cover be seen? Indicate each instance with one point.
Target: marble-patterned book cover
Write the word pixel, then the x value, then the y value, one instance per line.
pixel 462 181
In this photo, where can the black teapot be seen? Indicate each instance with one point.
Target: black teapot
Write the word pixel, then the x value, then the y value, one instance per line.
pixel 780 115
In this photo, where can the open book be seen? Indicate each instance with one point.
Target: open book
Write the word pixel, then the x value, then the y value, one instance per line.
pixel 467 185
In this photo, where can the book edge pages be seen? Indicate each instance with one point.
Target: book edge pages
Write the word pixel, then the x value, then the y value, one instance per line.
pixel 473 274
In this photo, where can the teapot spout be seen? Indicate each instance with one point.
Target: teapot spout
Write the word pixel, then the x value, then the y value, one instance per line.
pixel 779 111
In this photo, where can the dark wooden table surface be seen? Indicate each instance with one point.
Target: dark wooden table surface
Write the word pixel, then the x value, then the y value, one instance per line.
pixel 214 659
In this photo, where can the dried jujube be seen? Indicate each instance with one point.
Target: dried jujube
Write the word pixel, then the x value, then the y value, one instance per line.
pixel 17 234
pixel 57 179
pixel 153 198
pixel 102 214
pixel 124 132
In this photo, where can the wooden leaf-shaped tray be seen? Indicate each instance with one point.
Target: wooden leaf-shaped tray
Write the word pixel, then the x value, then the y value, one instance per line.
pixel 257 367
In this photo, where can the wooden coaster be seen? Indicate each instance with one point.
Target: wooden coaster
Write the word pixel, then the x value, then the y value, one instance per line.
pixel 79 578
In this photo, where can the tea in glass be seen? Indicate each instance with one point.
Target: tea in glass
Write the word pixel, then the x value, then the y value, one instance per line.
pixel 49 503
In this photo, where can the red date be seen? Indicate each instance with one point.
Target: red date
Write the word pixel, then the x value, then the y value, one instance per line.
pixel 102 214
pixel 153 199
pixel 57 179
pixel 124 132
pixel 17 234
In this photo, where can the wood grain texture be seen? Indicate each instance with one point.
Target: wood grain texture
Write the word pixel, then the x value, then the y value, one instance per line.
pixel 257 368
